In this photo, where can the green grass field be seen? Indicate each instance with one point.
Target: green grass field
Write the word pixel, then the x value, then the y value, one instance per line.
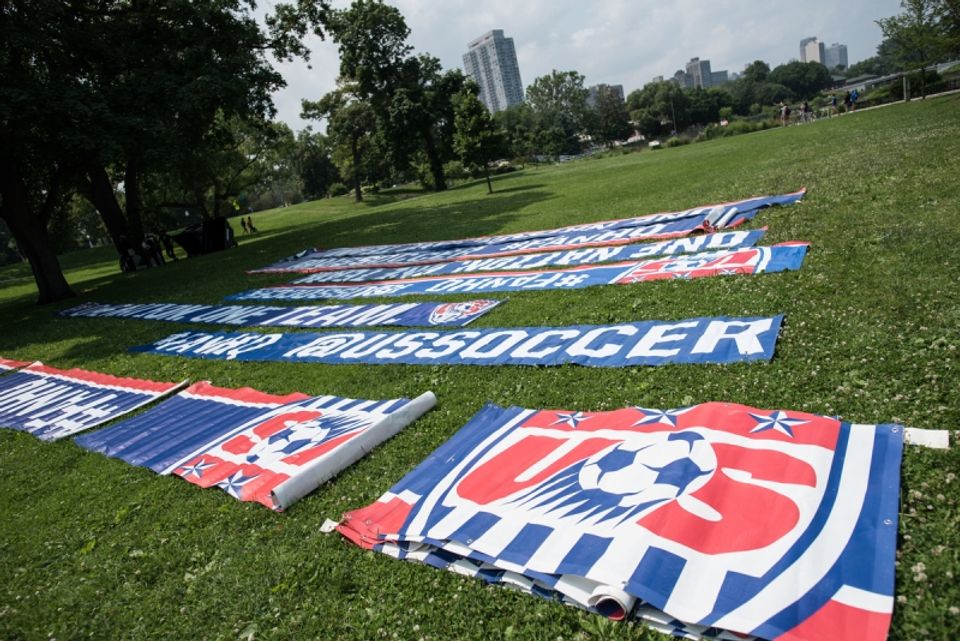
pixel 93 548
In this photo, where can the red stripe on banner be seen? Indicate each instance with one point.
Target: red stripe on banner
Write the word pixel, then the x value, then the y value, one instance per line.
pixel 839 621
pixel 6 363
pixel 365 527
pixel 497 477
pixel 243 394
pixel 260 488
pixel 96 378
pixel 281 422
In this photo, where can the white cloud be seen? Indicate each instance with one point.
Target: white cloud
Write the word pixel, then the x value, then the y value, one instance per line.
pixel 624 42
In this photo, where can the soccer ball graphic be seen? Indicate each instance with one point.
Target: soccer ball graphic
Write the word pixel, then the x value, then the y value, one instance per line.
pixel 651 470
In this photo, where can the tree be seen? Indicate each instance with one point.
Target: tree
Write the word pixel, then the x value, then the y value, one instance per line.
pixel 756 71
pixel 610 121
pixel 518 124
pixel 919 35
pixel 98 94
pixel 804 79
pixel 315 164
pixel 948 15
pixel 659 108
pixel 559 104
pixel 410 95
pixel 352 128
pixel 477 140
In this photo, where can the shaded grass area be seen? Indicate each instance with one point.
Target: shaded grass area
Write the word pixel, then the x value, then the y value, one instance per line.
pixel 93 548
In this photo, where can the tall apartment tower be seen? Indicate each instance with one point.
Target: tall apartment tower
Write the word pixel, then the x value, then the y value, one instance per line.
pixel 835 56
pixel 698 72
pixel 491 62
pixel 811 50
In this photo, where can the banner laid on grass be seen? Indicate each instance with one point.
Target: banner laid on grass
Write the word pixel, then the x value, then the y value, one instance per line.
pixel 709 218
pixel 396 314
pixel 708 521
pixel 752 260
pixel 52 403
pixel 257 447
pixel 698 340
pixel 570 258
pixel 7 365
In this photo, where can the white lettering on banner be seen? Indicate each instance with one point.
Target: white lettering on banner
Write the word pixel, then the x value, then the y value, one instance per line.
pixel 508 338
pixel 32 396
pixel 747 338
pixel 407 345
pixel 526 350
pixel 449 344
pixel 369 345
pixel 657 335
pixel 236 314
pixel 326 345
pixel 582 346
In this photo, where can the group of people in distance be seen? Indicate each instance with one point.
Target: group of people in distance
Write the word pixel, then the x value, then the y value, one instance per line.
pixel 806 113
pixel 247 225
pixel 151 251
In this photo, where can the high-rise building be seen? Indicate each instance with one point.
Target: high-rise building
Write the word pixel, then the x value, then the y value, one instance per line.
pixel 491 62
pixel 596 89
pixel 811 50
pixel 835 56
pixel 698 72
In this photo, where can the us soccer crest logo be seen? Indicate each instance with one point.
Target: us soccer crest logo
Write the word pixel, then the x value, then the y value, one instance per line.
pixel 453 313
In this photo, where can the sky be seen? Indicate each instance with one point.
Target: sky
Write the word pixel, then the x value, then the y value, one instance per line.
pixel 625 42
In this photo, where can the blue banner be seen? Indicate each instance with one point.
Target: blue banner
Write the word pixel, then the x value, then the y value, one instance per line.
pixel 708 218
pixel 568 258
pixel 698 340
pixel 394 314
pixel 743 261
pixel 53 403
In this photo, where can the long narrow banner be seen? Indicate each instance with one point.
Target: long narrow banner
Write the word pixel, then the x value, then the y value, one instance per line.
pixel 395 314
pixel 715 521
pixel 53 403
pixel 7 365
pixel 257 447
pixel 708 218
pixel 698 340
pixel 752 260
pixel 568 258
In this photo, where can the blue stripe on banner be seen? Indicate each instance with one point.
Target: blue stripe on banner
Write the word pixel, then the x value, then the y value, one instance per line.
pixel 657 568
pixel 525 544
pixel 738 261
pixel 698 340
pixel 569 258
pixel 475 527
pixel 584 554
pixel 715 215
pixel 394 314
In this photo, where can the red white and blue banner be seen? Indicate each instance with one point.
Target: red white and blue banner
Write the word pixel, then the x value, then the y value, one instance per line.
pixel 754 260
pixel 697 340
pixel 8 365
pixel 654 226
pixel 257 447
pixel 394 314
pixel 52 403
pixel 712 521
pixel 570 258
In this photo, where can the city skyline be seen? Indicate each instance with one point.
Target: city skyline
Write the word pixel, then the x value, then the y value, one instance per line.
pixel 611 42
pixel 491 62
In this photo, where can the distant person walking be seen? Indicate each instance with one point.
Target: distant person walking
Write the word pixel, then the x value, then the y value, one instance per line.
pixel 833 105
pixel 854 96
pixel 847 102
pixel 243 224
pixel 250 226
pixel 167 244
pixel 784 114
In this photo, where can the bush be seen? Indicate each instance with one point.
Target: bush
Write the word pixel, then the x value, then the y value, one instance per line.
pixel 454 170
pixel 676 142
pixel 337 189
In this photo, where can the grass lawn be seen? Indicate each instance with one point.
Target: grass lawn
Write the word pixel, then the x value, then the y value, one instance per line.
pixel 93 548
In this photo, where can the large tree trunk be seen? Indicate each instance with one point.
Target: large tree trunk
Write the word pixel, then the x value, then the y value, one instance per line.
pixel 28 226
pixel 436 163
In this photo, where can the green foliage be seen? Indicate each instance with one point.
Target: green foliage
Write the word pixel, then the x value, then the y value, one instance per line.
pixel 94 548
pixel 920 34
pixel 559 105
pixel 477 140
pixel 803 79
pixel 756 72
pixel 609 121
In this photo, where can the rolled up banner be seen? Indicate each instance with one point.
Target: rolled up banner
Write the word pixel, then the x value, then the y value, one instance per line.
pixel 326 467
pixel 708 218
pixel 568 258
pixel 753 260
pixel 394 314
pixel 698 340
